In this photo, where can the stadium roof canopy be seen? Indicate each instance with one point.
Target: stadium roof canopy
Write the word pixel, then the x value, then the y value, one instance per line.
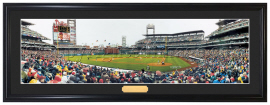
pixel 225 21
pixel 26 23
pixel 38 35
pixel 181 33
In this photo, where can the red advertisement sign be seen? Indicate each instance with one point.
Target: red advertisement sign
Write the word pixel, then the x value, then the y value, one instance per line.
pixel 63 36
pixel 66 36
pixel 55 28
pixel 60 23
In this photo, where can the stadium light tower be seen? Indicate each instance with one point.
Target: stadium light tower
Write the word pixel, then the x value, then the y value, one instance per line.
pixel 150 26
pixel 124 41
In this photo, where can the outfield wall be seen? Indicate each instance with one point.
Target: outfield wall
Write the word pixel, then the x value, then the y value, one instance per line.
pixel 141 52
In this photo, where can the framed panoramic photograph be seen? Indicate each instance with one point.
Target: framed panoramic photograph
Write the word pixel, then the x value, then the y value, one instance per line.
pixel 135 52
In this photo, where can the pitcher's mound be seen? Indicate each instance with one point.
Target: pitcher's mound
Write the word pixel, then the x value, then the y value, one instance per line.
pixel 159 64
pixel 138 59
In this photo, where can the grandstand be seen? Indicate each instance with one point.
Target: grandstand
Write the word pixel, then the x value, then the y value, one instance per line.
pixel 231 34
pixel 32 40
pixel 164 42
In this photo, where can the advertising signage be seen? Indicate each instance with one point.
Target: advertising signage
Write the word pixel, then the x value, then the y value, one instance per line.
pixel 61 36
pixel 73 31
pixel 160 46
pixel 61 27
pixel 66 36
pixel 55 28
pixel 64 29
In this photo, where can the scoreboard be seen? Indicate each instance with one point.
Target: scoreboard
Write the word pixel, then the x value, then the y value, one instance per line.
pixel 61 32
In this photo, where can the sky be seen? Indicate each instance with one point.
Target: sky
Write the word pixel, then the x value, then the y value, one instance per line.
pixel 112 30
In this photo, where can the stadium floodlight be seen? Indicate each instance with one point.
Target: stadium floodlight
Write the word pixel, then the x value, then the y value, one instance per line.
pixel 124 41
pixel 150 26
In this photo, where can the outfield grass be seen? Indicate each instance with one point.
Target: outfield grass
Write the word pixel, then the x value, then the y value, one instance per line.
pixel 134 63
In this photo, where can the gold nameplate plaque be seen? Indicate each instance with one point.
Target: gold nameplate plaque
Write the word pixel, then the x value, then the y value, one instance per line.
pixel 135 89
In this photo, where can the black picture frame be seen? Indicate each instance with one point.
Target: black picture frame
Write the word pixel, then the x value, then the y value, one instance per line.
pixel 256 91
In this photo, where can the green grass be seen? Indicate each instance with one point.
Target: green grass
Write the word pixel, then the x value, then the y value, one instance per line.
pixel 132 63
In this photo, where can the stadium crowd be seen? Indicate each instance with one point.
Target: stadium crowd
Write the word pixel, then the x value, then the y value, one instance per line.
pixel 75 51
pixel 229 37
pixel 231 26
pixel 214 66
pixel 184 43
pixel 34 42
pixel 171 39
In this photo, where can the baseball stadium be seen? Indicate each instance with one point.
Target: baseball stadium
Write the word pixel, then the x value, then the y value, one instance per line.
pixel 179 58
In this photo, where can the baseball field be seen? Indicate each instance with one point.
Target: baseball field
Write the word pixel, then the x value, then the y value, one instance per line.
pixel 133 62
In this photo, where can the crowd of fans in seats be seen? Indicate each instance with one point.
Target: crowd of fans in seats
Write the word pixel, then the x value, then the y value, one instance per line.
pixel 229 37
pixel 153 45
pixel 70 46
pixel 28 31
pixel 146 51
pixel 214 66
pixel 233 25
pixel 171 39
pixel 76 51
pixel 184 43
pixel 34 41
pixel 25 31
pixel 226 64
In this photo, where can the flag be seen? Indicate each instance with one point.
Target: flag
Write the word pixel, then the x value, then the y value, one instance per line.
pixel 104 40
